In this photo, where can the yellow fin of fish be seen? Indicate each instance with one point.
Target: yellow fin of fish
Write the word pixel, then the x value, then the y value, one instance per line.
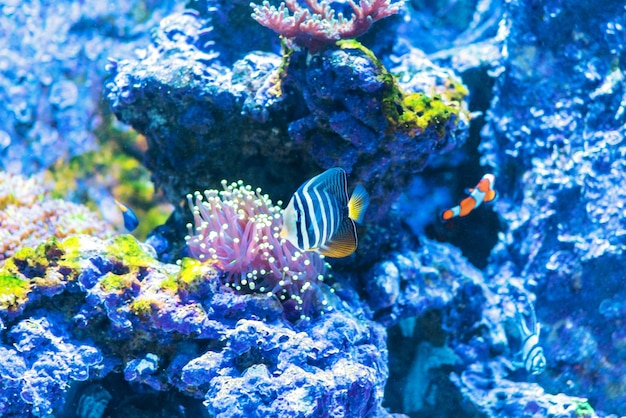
pixel 359 201
pixel 343 243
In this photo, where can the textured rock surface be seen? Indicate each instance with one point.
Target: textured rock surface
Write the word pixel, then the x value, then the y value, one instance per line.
pixel 276 122
pixel 80 317
pixel 52 69
pixel 87 306
pixel 559 154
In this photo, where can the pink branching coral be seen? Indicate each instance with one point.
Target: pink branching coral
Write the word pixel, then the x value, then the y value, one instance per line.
pixel 240 228
pixel 316 24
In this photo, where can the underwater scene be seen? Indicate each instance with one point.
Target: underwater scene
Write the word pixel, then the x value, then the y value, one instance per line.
pixel 312 208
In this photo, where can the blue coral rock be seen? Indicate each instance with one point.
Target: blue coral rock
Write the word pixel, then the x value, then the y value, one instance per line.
pixel 298 114
pixel 53 67
pixel 113 302
pixel 562 149
pixel 91 327
pixel 495 397
pixel 334 369
pixel 38 361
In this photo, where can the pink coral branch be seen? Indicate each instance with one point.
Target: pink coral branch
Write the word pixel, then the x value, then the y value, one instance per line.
pixel 365 14
pixel 321 8
pixel 316 24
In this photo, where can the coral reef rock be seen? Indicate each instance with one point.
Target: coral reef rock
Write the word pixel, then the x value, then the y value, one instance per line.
pixel 82 309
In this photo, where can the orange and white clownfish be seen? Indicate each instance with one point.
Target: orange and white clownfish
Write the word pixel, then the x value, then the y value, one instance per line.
pixel 483 192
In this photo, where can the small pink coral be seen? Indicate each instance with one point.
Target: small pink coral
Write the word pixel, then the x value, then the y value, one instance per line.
pixel 317 25
pixel 240 228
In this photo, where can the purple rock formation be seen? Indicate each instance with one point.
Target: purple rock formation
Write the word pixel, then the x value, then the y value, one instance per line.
pixel 217 110
pixel 39 358
pixel 494 396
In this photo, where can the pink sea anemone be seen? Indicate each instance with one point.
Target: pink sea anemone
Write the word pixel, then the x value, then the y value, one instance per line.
pixel 240 228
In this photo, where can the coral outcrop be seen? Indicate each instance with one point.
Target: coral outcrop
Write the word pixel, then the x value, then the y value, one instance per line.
pixel 561 151
pixel 299 114
pixel 88 307
pixel 246 326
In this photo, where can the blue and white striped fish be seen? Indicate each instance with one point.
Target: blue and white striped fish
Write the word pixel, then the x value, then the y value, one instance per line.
pixel 531 353
pixel 320 216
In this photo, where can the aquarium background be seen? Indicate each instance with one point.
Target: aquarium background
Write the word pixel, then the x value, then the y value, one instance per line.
pixel 148 148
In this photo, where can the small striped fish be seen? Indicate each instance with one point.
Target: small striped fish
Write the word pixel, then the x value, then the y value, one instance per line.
pixel 483 192
pixel 320 216
pixel 531 353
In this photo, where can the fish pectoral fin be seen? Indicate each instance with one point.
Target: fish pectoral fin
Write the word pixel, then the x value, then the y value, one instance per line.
pixel 343 243
pixel 358 203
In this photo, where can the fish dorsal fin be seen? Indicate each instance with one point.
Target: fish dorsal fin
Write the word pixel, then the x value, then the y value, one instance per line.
pixel 335 182
pixel 343 242
pixel 359 201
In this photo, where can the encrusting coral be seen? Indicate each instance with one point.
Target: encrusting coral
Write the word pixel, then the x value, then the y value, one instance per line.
pixel 29 215
pixel 240 228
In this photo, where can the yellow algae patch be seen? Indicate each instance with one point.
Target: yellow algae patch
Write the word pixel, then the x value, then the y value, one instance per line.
pixel 13 291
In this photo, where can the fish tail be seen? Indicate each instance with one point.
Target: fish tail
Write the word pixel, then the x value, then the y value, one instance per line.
pixel 122 207
pixel 447 214
pixel 358 203
pixel 131 222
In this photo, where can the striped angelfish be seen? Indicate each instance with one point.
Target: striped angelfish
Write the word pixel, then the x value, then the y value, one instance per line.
pixel 531 353
pixel 321 217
